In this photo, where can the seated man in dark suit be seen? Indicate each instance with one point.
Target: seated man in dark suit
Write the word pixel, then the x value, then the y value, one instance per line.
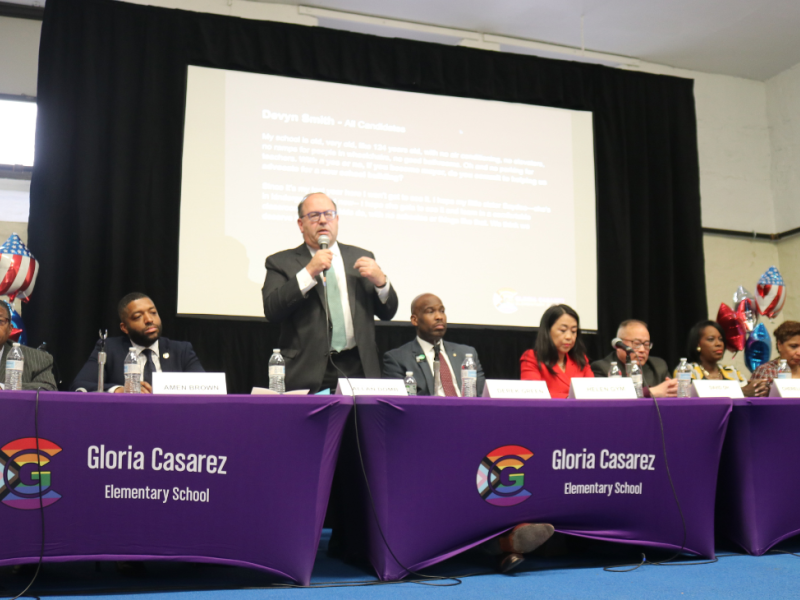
pixel 654 370
pixel 417 356
pixel 142 328
pixel 37 371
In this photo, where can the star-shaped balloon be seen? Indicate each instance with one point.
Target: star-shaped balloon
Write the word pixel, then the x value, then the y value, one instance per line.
pixel 733 328
pixel 18 269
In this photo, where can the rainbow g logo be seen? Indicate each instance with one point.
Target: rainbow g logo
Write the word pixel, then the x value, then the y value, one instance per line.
pixel 499 480
pixel 19 487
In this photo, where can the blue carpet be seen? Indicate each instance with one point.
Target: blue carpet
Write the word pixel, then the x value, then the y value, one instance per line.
pixel 577 574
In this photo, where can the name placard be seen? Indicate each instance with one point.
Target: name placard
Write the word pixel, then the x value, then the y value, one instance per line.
pixel 602 388
pixel 372 387
pixel 196 384
pixel 711 388
pixel 512 388
pixel 785 388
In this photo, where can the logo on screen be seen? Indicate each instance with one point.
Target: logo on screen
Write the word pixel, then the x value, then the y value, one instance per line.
pixel 22 475
pixel 500 478
pixel 503 301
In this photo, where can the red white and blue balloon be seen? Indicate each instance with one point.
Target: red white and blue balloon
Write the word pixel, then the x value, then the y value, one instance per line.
pixel 18 269
pixel 18 331
pixel 770 293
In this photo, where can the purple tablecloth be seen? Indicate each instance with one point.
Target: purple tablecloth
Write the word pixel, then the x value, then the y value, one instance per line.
pixel 758 498
pixel 240 480
pixel 430 462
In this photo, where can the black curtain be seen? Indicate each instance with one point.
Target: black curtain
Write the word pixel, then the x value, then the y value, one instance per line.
pixel 105 195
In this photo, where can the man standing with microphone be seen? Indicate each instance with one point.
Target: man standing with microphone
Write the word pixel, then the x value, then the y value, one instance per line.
pixel 294 294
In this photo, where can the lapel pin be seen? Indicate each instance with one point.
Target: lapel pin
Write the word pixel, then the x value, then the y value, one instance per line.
pixel 420 357
pixel 165 355
pixel 454 353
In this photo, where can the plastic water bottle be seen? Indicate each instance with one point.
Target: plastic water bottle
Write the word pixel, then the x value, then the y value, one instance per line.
pixel 469 377
pixel 410 383
pixel 784 371
pixel 133 373
pixel 636 376
pixel 684 380
pixel 277 372
pixel 14 366
pixel 614 370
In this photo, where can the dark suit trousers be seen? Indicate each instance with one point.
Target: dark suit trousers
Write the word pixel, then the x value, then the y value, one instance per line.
pixel 348 362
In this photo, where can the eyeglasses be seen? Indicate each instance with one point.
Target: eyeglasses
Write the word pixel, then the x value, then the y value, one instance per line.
pixel 4 322
pixel 637 344
pixel 314 217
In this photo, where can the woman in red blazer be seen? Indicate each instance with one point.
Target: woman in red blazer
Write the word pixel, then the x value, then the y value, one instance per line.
pixel 559 354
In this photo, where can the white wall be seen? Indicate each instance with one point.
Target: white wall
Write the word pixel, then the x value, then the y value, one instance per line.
pixel 783 111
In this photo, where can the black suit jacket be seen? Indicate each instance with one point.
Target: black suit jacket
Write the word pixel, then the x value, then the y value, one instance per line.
pixel 304 341
pixel 37 371
pixel 403 359
pixel 175 357
pixel 655 370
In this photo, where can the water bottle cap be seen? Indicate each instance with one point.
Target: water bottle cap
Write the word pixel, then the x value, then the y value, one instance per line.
pixel 15 345
pixel 276 350
pixel 132 349
pixel 683 360
pixel 614 363
pixel 469 355
pixel 409 373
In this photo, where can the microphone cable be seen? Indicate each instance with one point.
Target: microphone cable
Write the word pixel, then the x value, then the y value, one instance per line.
pixel 422 578
pixel 667 562
pixel 41 501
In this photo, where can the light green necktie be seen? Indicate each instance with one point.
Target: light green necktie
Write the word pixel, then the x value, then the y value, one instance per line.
pixel 338 336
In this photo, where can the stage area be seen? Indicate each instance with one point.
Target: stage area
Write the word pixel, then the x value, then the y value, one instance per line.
pixel 578 575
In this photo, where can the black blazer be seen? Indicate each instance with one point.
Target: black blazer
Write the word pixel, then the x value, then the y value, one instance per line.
pixel 400 360
pixel 175 357
pixel 304 342
pixel 654 371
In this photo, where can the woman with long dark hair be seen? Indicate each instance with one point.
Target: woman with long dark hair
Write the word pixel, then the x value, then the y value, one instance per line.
pixel 558 354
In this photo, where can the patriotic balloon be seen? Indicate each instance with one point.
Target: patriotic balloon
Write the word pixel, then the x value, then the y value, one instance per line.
pixel 744 305
pixel 758 348
pixel 733 328
pixel 18 333
pixel 770 293
pixel 17 269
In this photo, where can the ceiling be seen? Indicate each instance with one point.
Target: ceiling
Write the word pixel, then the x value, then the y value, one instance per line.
pixel 744 38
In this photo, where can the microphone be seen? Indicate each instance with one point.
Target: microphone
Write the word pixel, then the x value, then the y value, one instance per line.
pixel 618 343
pixel 323 241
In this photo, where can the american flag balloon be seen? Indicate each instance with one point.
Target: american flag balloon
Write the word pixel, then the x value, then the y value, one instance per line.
pixel 770 293
pixel 18 269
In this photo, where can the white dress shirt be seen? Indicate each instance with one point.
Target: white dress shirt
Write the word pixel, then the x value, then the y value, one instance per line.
pixel 306 282
pixel 427 348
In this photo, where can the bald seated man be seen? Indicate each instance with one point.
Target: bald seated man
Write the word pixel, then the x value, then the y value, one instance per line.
pixel 429 318
pixel 655 371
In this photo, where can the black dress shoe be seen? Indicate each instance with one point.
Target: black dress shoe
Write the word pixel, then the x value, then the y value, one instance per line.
pixel 510 562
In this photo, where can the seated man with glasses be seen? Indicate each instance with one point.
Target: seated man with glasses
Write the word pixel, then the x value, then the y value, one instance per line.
pixel 37 370
pixel 314 337
pixel 656 374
